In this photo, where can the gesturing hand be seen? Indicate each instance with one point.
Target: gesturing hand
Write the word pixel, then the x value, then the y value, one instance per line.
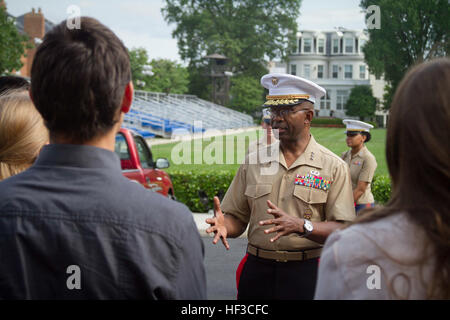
pixel 284 223
pixel 218 224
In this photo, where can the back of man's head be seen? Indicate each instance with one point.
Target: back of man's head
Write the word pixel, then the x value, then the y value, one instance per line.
pixel 13 82
pixel 78 80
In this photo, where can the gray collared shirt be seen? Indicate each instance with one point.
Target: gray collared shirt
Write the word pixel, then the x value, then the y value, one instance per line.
pixel 72 227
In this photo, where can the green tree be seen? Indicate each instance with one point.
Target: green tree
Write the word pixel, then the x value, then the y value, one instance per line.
pixel 246 94
pixel 361 102
pixel 411 31
pixel 140 67
pixel 158 75
pixel 169 77
pixel 248 32
pixel 12 44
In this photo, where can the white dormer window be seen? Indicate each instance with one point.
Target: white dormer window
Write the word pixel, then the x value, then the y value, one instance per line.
pixel 307 45
pixel 335 45
pixel 321 46
pixel 348 44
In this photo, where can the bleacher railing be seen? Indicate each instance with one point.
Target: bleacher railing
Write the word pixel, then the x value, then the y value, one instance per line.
pixel 161 114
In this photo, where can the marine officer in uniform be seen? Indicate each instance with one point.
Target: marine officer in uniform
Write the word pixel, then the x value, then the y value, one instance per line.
pixel 291 210
pixel 361 161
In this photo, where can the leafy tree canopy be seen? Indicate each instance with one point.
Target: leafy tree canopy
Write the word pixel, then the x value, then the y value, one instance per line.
pixel 158 75
pixel 361 102
pixel 12 44
pixel 411 31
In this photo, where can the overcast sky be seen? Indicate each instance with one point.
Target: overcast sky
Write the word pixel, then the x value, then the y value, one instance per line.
pixel 139 23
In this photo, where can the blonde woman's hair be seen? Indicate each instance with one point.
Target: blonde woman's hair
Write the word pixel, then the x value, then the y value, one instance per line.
pixel 22 133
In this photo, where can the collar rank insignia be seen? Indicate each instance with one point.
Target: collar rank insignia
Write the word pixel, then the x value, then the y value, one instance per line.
pixel 312 181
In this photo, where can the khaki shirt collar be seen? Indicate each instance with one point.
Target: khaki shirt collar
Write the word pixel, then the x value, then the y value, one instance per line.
pixel 311 156
pixel 360 153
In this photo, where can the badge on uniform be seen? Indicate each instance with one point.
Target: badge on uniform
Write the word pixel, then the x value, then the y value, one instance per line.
pixel 358 163
pixel 307 214
pixel 312 180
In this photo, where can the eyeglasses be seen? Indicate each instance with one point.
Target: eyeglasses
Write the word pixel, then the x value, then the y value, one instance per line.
pixel 351 134
pixel 284 112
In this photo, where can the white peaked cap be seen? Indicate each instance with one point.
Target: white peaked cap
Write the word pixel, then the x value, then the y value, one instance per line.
pixel 287 90
pixel 355 125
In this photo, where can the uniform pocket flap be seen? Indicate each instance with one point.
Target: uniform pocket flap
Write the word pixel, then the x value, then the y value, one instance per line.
pixel 310 195
pixel 318 196
pixel 302 193
pixel 258 190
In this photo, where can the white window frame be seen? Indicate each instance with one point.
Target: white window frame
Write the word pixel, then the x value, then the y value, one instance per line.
pixel 345 45
pixel 318 45
pixel 341 99
pixel 318 67
pixel 361 71
pixel 293 67
pixel 332 45
pixel 309 71
pixel 311 45
pixel 345 71
pixel 337 71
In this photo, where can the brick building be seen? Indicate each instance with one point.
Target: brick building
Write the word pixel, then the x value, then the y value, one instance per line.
pixel 35 26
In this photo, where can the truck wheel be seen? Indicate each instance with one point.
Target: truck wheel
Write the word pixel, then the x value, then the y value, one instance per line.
pixel 171 196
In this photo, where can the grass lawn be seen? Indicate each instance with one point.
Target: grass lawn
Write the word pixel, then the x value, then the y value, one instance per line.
pixel 226 152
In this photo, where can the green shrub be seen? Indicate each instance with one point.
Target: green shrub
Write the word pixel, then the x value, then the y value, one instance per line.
pixel 381 188
pixel 334 121
pixel 375 125
pixel 187 185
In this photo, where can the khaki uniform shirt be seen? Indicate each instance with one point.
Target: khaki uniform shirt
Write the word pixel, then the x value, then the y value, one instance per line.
pixel 362 168
pixel 261 142
pixel 291 190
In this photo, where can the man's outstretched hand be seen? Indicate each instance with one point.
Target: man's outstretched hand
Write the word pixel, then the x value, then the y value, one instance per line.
pixel 284 223
pixel 218 225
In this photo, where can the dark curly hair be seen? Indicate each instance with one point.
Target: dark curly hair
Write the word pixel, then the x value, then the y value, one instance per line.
pixel 367 135
pixel 78 79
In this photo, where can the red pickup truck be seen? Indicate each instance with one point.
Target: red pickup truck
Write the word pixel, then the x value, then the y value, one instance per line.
pixel 137 163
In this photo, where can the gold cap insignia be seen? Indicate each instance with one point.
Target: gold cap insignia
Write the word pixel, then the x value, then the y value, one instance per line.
pixel 274 81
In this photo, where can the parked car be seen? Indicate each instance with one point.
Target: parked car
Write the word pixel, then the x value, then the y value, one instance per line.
pixel 137 163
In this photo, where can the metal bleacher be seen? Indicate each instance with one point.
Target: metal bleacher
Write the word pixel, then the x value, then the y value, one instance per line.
pixel 159 114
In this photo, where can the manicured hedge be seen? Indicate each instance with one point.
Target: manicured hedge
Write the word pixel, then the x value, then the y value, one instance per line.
pixel 334 122
pixel 188 183
pixel 327 121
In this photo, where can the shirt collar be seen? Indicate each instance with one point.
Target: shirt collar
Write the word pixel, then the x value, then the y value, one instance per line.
pixel 361 152
pixel 81 156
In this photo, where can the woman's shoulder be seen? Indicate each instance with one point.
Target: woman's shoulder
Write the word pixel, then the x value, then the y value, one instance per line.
pixel 379 233
pixel 368 155
pixel 388 245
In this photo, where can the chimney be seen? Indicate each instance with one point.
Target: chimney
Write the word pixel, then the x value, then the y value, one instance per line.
pixel 2 4
pixel 34 24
